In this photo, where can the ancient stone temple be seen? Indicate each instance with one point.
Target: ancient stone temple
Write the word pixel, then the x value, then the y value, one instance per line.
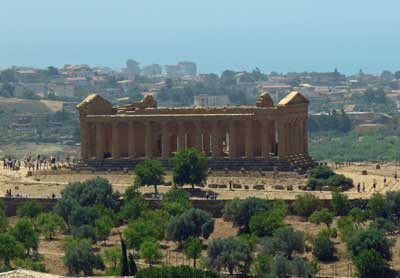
pixel 143 130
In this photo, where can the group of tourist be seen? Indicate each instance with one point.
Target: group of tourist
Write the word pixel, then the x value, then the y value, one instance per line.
pixel 37 163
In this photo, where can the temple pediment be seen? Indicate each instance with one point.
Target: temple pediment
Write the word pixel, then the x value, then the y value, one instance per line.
pixel 293 98
pixel 96 105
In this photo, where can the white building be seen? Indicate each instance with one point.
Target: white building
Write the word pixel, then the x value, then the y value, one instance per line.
pixel 210 100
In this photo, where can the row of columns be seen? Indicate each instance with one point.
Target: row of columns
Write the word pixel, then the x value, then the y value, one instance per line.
pixel 290 134
pixel 292 137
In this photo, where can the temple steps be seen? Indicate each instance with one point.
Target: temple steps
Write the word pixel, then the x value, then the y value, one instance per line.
pixel 296 163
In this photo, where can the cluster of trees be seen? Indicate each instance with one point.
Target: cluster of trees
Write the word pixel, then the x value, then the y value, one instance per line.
pixel 332 122
pixel 382 145
pixel 19 243
pixel 324 176
pixel 373 99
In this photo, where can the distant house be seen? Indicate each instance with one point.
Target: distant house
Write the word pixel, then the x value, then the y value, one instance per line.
pixel 77 81
pixel 181 69
pixel 276 91
pixel 151 70
pixel 36 88
pixel 27 75
pixel 62 89
pixel 77 71
pixel 211 100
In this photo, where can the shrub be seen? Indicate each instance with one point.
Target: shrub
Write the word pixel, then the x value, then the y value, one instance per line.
pixel 305 204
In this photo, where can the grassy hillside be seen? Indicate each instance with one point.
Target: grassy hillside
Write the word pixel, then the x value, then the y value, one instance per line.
pixel 29 106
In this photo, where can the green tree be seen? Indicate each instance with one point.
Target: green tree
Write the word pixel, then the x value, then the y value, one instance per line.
pixel 346 227
pixel 194 222
pixel 149 226
pixel 133 208
pixel 112 258
pixel 228 253
pixel 176 201
pixel 324 248
pixel 85 231
pixel 10 248
pixel 150 251
pixel 305 204
pixel 264 223
pixel 49 224
pixel 103 227
pixel 79 257
pixel 24 232
pixel 340 203
pixel 322 216
pixel 284 267
pixel 370 239
pixel 149 173
pixel 91 192
pixel 192 248
pixel 378 206
pixel 284 241
pixel 182 271
pixel 370 264
pixel 240 211
pixel 30 209
pixel 189 166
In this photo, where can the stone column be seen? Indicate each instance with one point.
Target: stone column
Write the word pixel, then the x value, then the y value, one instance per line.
pixel 281 139
pixel 99 141
pixel 206 143
pixel 300 136
pixel 131 140
pixel 115 141
pixel 232 139
pixel 249 140
pixel 148 141
pixel 197 134
pixel 181 136
pixel 164 141
pixel 84 139
pixel 265 140
pixel 215 140
pixel 305 137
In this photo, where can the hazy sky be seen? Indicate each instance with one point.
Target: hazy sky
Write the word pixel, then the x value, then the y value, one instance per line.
pixel 281 35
